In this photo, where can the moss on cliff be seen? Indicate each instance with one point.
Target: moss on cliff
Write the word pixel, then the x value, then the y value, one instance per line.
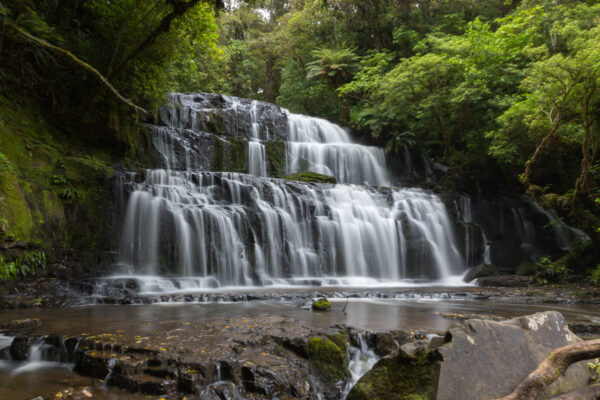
pixel 276 156
pixel 53 184
pixel 312 177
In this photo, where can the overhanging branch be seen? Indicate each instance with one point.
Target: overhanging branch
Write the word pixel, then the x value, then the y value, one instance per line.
pixel 79 62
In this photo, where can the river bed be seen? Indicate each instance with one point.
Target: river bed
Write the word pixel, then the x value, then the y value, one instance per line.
pixel 25 380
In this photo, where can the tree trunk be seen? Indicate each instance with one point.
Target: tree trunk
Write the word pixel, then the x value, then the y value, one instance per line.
pixel 552 367
pixel 588 153
pixel 534 157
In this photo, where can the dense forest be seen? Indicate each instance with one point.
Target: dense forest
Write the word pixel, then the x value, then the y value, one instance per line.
pixel 505 93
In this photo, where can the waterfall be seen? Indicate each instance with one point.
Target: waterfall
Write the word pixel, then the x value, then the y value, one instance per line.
pixel 319 146
pixel 224 229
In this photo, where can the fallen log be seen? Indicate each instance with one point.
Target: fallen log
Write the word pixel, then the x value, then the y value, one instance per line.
pixel 552 367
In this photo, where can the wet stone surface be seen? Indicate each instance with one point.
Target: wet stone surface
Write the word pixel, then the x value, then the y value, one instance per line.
pixel 62 293
pixel 226 358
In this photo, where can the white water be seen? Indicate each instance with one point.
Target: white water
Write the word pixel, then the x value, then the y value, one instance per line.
pixel 232 230
pixel 362 359
pixel 319 146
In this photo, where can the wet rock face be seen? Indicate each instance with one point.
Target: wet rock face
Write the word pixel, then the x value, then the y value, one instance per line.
pixel 225 115
pixel 262 358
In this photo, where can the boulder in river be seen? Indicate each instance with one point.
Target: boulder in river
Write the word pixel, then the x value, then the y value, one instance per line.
pixel 483 360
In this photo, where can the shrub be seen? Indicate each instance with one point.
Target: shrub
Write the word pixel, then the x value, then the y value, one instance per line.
pixel 549 272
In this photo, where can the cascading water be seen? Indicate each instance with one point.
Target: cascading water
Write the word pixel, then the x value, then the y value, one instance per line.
pixel 257 160
pixel 232 229
pixel 318 145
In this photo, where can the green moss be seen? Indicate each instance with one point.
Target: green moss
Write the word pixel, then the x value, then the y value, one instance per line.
pixel 85 169
pixel 311 177
pixel 526 268
pixel 340 340
pixel 276 156
pixel 237 153
pixel 321 305
pixel 329 359
pixel 401 377
pixel 217 161
pixel 53 184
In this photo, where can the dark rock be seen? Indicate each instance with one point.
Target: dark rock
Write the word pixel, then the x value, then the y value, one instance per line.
pixel 505 281
pixel 480 271
pixel 19 348
pixel 21 323
pixel 585 329
pixel 385 343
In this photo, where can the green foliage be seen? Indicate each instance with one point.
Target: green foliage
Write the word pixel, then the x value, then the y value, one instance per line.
pixel 22 267
pixel 595 370
pixel 58 180
pixel 333 65
pixel 551 272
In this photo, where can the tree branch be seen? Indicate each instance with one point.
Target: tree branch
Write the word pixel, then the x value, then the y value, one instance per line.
pixel 179 9
pixel 552 367
pixel 79 62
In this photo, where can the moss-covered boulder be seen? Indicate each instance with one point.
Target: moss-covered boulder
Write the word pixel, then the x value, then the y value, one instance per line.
pixel 321 305
pixel 312 177
pixel 526 268
pixel 328 358
pixel 399 377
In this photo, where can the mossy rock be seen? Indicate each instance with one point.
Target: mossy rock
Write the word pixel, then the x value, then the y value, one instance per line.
pixel 341 340
pixel 276 158
pixel 527 268
pixel 312 177
pixel 321 305
pixel 329 358
pixel 399 377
